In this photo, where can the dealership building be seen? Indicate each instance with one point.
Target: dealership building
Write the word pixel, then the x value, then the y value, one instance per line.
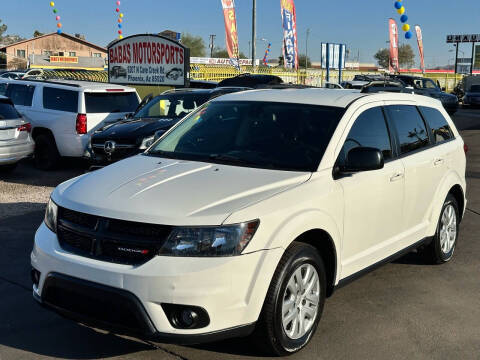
pixel 54 51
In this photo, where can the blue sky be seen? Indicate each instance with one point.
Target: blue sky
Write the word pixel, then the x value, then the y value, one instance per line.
pixel 362 25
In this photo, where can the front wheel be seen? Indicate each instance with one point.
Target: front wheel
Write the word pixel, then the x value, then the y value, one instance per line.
pixel 294 302
pixel 442 247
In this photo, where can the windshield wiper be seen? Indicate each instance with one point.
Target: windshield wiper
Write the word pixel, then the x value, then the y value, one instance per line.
pixel 230 159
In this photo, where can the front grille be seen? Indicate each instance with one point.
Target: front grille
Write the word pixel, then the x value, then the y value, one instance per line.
pixel 119 153
pixel 112 240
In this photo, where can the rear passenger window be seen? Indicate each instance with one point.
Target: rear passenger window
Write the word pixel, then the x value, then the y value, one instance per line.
pixel 20 94
pixel 369 130
pixel 440 129
pixel 60 99
pixel 411 130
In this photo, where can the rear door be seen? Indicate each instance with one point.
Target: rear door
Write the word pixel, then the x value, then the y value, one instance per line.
pixel 108 106
pixel 423 167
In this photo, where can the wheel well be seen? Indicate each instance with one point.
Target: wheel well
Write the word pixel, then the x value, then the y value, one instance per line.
pixel 457 193
pixel 42 131
pixel 323 242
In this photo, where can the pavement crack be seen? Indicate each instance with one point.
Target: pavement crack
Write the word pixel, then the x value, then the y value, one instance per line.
pixel 473 211
pixel 158 347
pixel 16 284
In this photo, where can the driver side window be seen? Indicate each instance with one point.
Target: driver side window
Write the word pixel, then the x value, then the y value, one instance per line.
pixel 369 130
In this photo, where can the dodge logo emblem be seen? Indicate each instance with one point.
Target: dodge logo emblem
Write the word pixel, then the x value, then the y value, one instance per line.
pixel 109 147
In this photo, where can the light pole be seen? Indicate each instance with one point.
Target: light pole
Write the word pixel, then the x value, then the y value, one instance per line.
pixel 306 49
pixel 254 34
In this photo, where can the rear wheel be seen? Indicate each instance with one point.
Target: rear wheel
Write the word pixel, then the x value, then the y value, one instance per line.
pixel 46 154
pixel 294 302
pixel 442 247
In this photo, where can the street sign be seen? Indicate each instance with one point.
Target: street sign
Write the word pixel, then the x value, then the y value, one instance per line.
pixel 463 38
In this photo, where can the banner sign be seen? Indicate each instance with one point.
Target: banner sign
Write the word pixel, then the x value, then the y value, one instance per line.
pixel 221 61
pixel 333 56
pixel 231 35
pixel 289 23
pixel 64 59
pixel 418 30
pixel 463 38
pixel 476 61
pixel 393 30
pixel 148 60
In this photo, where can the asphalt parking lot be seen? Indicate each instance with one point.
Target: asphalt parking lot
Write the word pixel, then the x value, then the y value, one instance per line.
pixel 403 310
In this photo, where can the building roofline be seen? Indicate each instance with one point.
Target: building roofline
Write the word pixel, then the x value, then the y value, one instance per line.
pixel 85 42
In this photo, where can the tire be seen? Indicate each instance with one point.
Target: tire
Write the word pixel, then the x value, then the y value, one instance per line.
pixel 440 251
pixel 46 155
pixel 8 168
pixel 271 334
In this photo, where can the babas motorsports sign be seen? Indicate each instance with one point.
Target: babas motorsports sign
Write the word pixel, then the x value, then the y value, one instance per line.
pixel 148 60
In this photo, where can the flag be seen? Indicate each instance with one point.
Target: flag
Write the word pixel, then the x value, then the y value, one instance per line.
pixel 289 23
pixel 231 34
pixel 393 29
pixel 418 30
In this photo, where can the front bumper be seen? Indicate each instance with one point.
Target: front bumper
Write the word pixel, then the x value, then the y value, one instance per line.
pixel 230 289
pixel 10 154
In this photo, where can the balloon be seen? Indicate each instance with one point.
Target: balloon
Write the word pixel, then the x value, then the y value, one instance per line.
pixel 57 18
pixel 59 25
pixel 117 10
pixel 59 31
pixel 408 35
pixel 120 26
pixel 406 27
pixel 121 15
pixel 120 20
pixel 398 5
pixel 404 18
pixel 120 36
pixel 120 32
pixel 52 4
pixel 401 11
pixel 55 11
pixel 118 3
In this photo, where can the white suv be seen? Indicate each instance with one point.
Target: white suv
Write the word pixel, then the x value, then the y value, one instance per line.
pixel 65 113
pixel 249 212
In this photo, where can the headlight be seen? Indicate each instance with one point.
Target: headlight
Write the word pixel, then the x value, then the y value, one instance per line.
pixel 147 142
pixel 225 240
pixel 51 216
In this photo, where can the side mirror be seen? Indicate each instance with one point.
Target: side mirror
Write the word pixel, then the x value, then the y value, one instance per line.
pixel 364 159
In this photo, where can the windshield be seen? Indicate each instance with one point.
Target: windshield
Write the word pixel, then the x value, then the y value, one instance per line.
pixel 172 105
pixel 475 88
pixel 111 102
pixel 281 136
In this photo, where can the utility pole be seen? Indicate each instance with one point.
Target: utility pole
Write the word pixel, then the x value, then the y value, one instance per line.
pixel 254 32
pixel 306 50
pixel 212 44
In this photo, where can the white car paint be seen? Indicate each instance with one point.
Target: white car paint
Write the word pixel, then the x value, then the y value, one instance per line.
pixel 369 216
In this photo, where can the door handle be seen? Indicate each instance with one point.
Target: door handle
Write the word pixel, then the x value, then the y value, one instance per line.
pixel 396 177
pixel 438 162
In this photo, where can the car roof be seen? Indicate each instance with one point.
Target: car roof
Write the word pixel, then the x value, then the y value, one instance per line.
pixel 84 85
pixel 322 97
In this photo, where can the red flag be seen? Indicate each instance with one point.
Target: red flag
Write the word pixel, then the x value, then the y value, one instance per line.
pixel 393 29
pixel 418 30
pixel 231 34
pixel 289 23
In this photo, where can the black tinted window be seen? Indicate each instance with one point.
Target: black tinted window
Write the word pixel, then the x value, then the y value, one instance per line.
pixel 411 129
pixel 7 111
pixel 20 94
pixel 440 129
pixel 111 102
pixel 3 89
pixel 369 130
pixel 254 134
pixel 59 99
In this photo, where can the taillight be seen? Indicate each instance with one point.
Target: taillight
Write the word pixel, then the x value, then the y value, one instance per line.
pixel 465 148
pixel 81 125
pixel 25 127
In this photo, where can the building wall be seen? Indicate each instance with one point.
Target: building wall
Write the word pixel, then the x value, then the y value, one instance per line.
pixel 54 43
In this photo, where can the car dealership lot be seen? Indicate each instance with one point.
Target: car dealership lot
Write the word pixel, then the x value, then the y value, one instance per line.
pixel 405 309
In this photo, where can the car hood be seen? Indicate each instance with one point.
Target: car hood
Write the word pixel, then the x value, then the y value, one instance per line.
pixel 134 128
pixel 172 192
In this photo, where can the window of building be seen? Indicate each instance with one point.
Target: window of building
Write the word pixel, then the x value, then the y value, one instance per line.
pixel 47 53
pixel 21 54
pixel 72 53
pixel 97 55
pixel 61 53
pixel 411 130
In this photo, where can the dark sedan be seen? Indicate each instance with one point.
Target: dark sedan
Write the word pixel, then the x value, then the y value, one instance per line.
pixel 132 136
pixel 472 96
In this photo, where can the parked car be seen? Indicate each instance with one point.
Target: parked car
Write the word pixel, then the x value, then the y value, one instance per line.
pixel 427 87
pixel 15 140
pixel 64 114
pixel 13 75
pixel 331 85
pixel 354 84
pixel 464 86
pixel 249 212
pixel 251 81
pixel 134 135
pixel 472 96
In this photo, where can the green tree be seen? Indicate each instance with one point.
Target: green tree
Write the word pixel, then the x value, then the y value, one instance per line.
pixel 37 33
pixel 195 44
pixel 301 61
pixel 223 53
pixel 383 57
pixel 406 56
pixel 3 29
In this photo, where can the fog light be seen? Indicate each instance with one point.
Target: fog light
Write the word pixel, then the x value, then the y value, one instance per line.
pixel 188 318
pixel 185 316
